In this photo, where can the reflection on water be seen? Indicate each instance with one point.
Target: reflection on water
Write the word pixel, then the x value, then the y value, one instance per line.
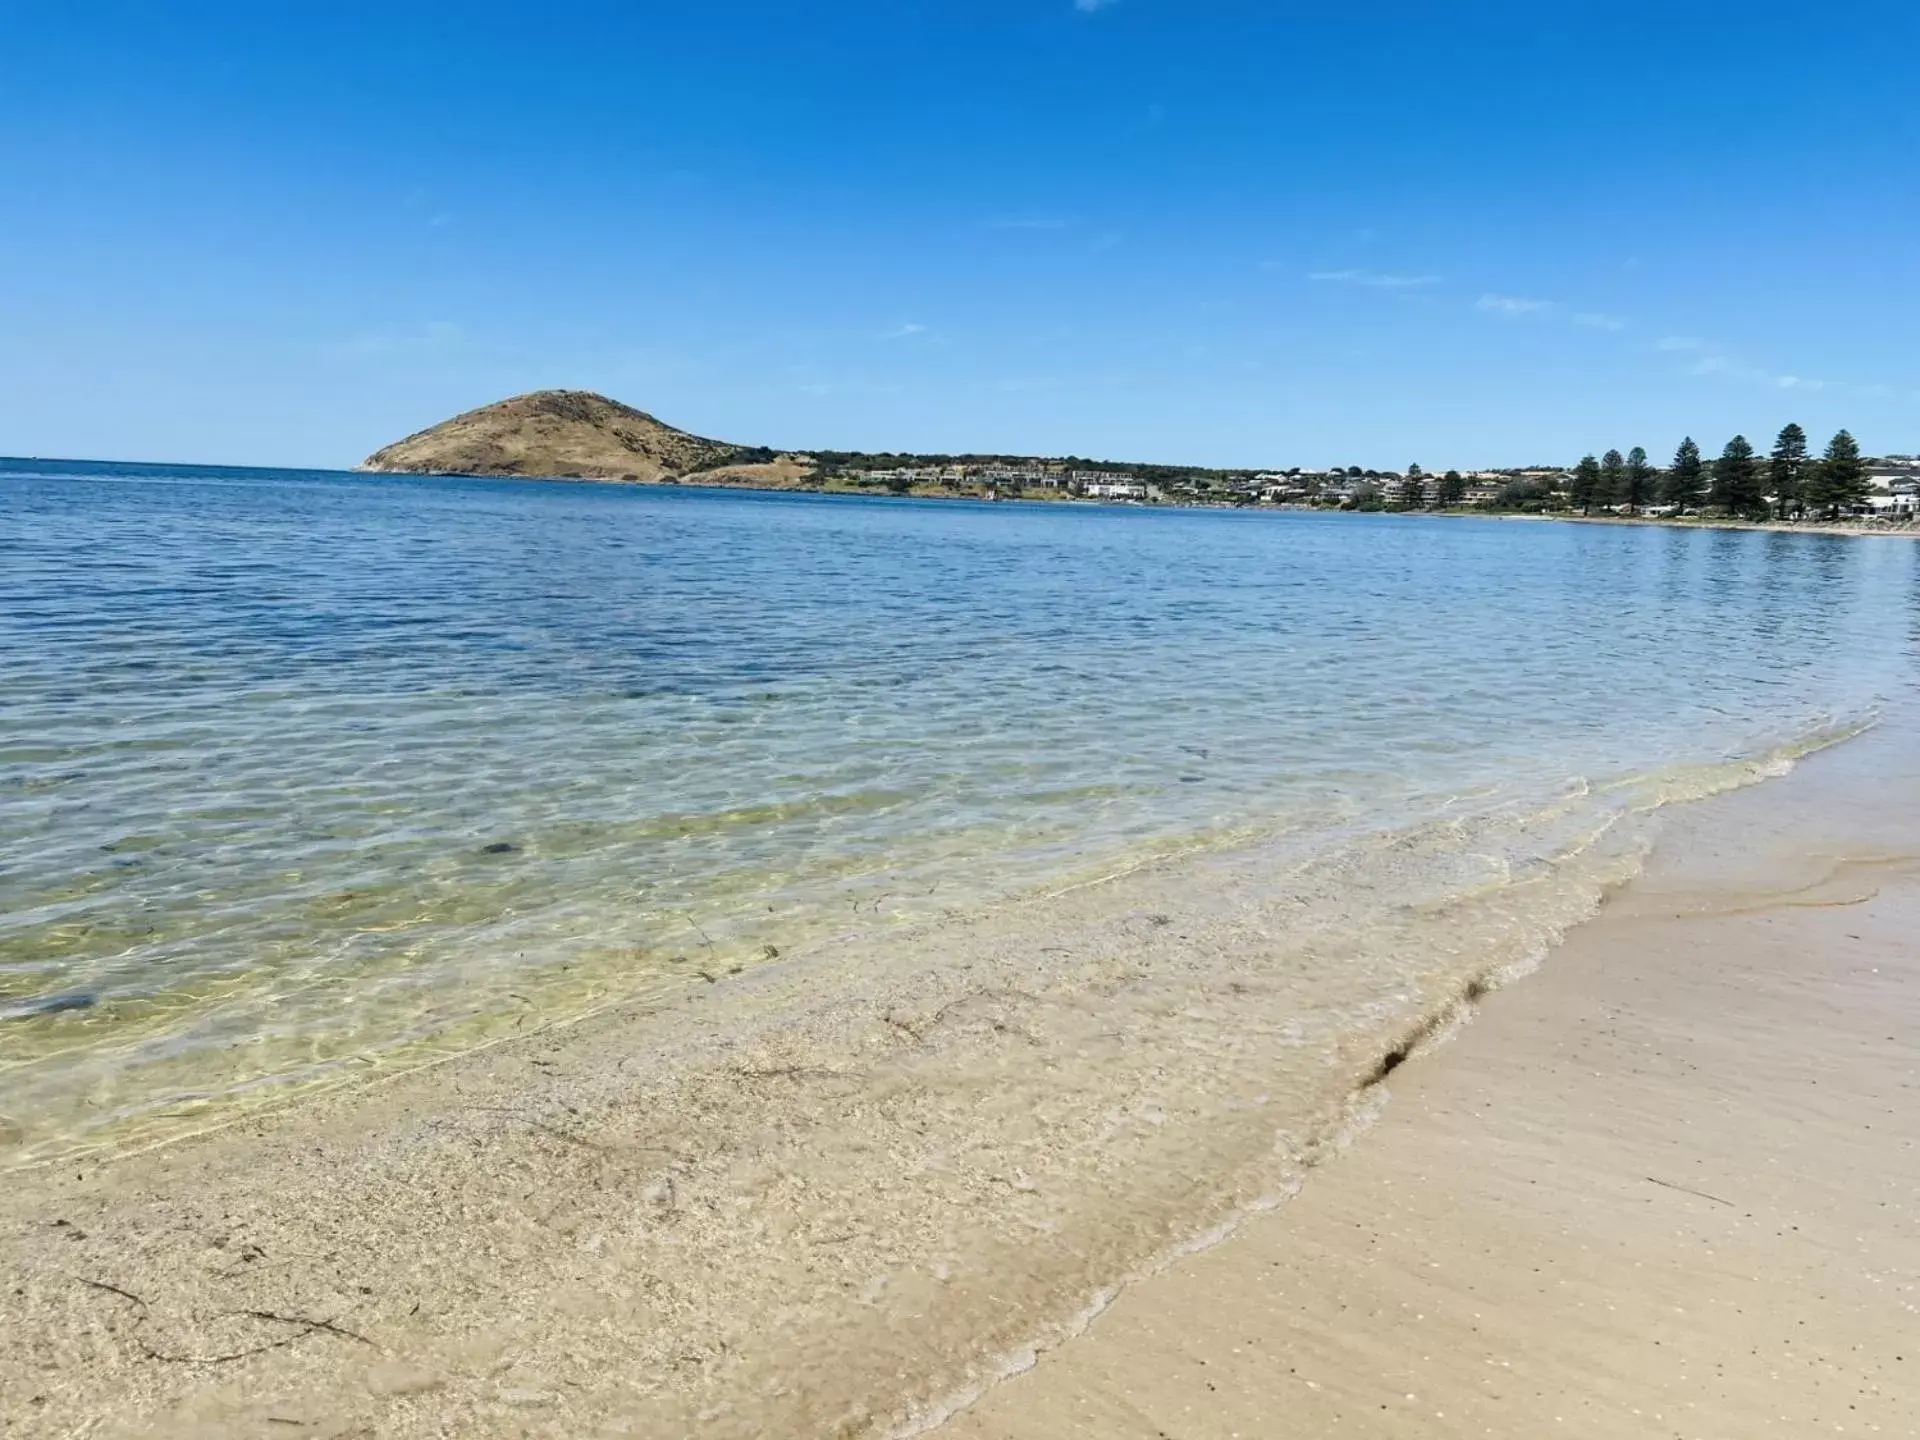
pixel 301 772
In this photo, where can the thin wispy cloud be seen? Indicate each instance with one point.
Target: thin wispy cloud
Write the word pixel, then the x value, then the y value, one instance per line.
pixel 1713 360
pixel 1515 305
pixel 1093 7
pixel 904 332
pixel 1519 307
pixel 1376 279
pixel 1733 369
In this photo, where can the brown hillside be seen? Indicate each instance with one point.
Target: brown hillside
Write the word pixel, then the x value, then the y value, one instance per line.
pixel 572 433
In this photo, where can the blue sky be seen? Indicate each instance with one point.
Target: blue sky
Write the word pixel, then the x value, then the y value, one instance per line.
pixel 1181 230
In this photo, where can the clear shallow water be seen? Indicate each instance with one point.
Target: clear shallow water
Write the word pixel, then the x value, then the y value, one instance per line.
pixel 302 774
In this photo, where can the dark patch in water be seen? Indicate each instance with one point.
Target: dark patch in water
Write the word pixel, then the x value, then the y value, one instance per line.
pixel 51 1005
pixel 500 847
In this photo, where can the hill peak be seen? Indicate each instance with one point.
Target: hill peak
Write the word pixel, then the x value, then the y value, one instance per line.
pixel 568 433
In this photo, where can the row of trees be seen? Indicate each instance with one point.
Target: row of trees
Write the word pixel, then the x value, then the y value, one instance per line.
pixel 1786 485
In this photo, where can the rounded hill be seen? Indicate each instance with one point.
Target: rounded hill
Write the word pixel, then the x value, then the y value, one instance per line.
pixel 573 434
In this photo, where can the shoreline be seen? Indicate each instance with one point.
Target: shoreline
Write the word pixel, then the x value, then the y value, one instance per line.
pixel 757 1216
pixel 1665 1186
pixel 1909 530
pixel 668 1215
pixel 1781 527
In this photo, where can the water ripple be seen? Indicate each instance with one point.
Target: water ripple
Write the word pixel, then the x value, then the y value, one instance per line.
pixel 299 768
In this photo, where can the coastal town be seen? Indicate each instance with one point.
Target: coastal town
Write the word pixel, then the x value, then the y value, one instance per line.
pixel 575 434
pixel 1887 487
pixel 579 435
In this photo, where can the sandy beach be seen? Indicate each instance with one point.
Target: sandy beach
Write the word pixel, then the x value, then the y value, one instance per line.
pixel 957 722
pixel 1670 1185
pixel 1670 1175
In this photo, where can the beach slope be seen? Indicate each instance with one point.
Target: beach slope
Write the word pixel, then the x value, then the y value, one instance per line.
pixel 1669 1186
pixel 1666 1185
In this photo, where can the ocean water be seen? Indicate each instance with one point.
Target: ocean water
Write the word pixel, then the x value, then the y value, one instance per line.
pixel 307 777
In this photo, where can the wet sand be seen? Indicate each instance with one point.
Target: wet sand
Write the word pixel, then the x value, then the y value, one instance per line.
pixel 1668 1186
pixel 1673 1173
pixel 810 1200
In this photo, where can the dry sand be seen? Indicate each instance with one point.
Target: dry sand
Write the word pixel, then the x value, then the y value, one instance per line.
pixel 1665 1187
pixel 1669 1186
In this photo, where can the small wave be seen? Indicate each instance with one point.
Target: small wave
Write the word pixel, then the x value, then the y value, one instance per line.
pixel 1301 1151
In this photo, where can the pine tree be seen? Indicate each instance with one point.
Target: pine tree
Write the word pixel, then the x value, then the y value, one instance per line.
pixel 1413 490
pixel 1638 480
pixel 1839 481
pixel 1452 491
pixel 1786 469
pixel 1686 481
pixel 1813 489
pixel 1584 489
pixel 1736 479
pixel 1613 478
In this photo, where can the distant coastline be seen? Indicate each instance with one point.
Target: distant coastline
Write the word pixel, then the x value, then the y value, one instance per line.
pixel 579 435
pixel 1857 525
pixel 1852 526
